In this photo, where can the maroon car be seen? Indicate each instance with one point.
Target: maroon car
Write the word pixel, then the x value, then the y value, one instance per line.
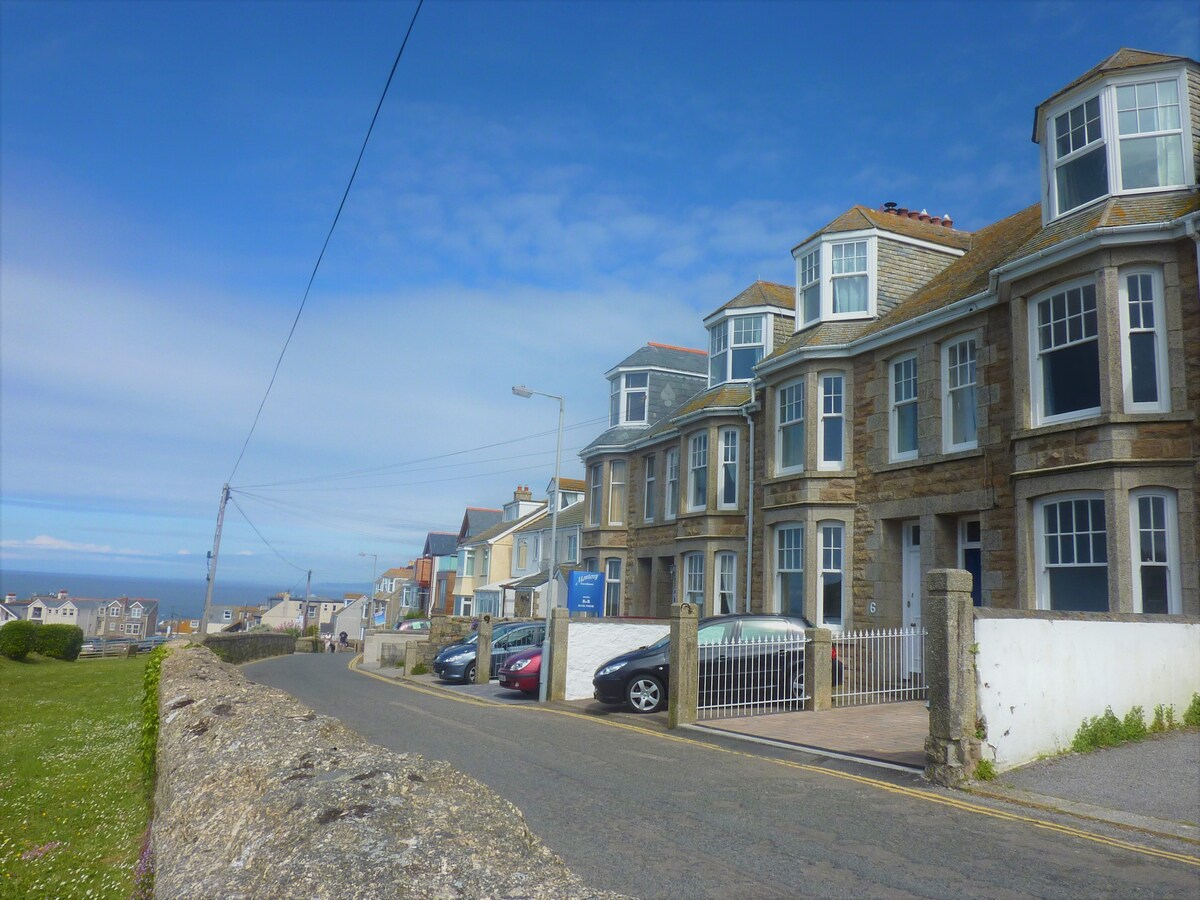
pixel 522 671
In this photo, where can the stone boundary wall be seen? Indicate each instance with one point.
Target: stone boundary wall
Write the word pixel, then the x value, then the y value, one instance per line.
pixel 259 796
pixel 241 648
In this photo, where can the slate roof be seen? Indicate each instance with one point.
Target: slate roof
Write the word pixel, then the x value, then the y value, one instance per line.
pixel 860 217
pixel 666 356
pixel 530 581
pixel 1123 59
pixel 763 293
pixel 1140 209
pixel 440 543
pixel 500 528
pixel 478 519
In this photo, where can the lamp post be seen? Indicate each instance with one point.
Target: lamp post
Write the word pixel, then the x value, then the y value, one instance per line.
pixel 521 391
pixel 370 602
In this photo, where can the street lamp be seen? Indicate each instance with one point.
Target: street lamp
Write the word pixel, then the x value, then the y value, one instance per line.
pixel 521 391
pixel 370 602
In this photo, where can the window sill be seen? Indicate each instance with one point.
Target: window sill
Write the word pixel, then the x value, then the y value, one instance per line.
pixel 810 473
pixel 1116 418
pixel 901 464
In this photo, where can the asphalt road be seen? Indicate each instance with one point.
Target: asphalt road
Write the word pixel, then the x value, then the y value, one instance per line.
pixel 652 814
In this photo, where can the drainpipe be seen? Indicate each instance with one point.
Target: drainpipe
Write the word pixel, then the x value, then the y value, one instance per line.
pixel 750 493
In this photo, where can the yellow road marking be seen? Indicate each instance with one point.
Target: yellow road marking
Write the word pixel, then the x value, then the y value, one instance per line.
pixel 913 793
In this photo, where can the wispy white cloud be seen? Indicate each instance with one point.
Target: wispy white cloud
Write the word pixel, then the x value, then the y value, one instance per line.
pixel 45 542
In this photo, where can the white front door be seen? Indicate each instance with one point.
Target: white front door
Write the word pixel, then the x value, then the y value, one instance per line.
pixel 911 593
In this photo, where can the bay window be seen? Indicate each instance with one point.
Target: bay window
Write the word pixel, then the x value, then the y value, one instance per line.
pixel 726 585
pixel 693 581
pixel 789 447
pixel 832 576
pixel 698 471
pixel 1144 342
pixel 831 425
pixel 1150 130
pixel 958 395
pixel 789 569
pixel 1155 552
pixel 1071 553
pixel 612 587
pixel 648 492
pixel 627 399
pixel 595 478
pixel 671 493
pixel 735 346
pixel 1081 161
pixel 849 277
pixel 728 496
pixel 810 286
pixel 1066 358
pixel 616 492
pixel 903 389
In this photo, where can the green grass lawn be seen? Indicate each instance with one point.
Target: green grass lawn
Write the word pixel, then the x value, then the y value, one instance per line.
pixel 73 808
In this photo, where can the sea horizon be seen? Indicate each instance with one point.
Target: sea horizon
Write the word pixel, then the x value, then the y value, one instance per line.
pixel 177 597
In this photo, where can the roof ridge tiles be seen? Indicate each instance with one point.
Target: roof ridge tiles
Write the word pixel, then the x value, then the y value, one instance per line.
pixel 675 347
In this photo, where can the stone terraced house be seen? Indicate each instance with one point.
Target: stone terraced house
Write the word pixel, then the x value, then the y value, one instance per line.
pixel 1019 401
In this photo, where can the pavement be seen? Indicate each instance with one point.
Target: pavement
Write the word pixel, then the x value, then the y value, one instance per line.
pixel 1152 786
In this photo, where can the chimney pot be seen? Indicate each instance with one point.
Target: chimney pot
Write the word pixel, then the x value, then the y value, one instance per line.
pixel 947 222
pixel 924 215
pixel 890 207
pixel 913 214
pixel 902 211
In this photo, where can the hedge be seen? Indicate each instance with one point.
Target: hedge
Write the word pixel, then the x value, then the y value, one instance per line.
pixel 16 638
pixel 59 641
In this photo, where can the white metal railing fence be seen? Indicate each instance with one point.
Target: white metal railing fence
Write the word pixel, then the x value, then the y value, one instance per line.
pixel 880 666
pixel 758 675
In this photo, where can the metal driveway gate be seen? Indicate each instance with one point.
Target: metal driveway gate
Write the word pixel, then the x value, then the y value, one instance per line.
pixel 753 676
pixel 881 666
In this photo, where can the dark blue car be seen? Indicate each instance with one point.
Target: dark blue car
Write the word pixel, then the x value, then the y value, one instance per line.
pixel 457 662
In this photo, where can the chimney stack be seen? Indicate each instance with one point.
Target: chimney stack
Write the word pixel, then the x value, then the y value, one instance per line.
pixel 522 493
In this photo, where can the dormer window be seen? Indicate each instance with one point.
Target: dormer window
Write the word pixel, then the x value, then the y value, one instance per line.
pixel 627 399
pixel 1126 137
pixel 836 278
pixel 745 334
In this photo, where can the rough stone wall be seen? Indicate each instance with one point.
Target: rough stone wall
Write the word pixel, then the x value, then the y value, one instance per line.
pixel 240 648
pixel 258 796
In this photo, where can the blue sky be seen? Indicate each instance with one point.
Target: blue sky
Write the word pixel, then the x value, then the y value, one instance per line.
pixel 549 186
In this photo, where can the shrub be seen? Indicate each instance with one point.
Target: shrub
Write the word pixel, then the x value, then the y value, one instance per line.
pixel 1134 724
pixel 17 638
pixel 59 641
pixel 985 770
pixel 414 614
pixel 1160 720
pixel 420 669
pixel 1191 716
pixel 149 749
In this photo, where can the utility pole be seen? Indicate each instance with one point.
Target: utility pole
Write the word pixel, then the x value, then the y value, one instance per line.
pixel 212 561
pixel 307 594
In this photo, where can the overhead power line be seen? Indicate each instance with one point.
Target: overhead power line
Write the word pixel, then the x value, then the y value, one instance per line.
pixel 325 245
pixel 390 467
pixel 263 539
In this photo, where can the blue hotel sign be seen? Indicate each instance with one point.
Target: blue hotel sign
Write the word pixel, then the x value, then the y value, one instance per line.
pixel 585 593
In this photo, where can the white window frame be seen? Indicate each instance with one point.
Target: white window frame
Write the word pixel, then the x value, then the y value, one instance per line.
pixel 572 547
pixel 649 491
pixel 617 491
pixel 725 584
pixel 468 566
pixel 950 373
pixel 671 489
pixel 808 278
pixel 612 586
pixel 1171 563
pixel 1111 137
pixel 693 581
pixel 825 417
pixel 620 393
pixel 485 563
pixel 1042 565
pixel 724 340
pixel 698 462
pixel 831 561
pixel 227 615
pixel 1159 330
pixel 595 492
pixel 789 399
pixel 789 554
pixel 824 271
pixel 730 450
pixel 1036 381
pixel 895 405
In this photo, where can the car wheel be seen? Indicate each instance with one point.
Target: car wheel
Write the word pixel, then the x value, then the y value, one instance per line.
pixel 791 686
pixel 645 694
pixel 469 675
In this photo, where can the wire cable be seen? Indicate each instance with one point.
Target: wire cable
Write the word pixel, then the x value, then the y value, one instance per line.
pixel 264 540
pixel 359 473
pixel 321 255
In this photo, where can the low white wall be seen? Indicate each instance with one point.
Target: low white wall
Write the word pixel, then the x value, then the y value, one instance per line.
pixel 1038 679
pixel 589 644
pixel 372 652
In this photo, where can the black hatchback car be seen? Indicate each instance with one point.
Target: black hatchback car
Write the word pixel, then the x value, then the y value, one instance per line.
pixel 738 655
